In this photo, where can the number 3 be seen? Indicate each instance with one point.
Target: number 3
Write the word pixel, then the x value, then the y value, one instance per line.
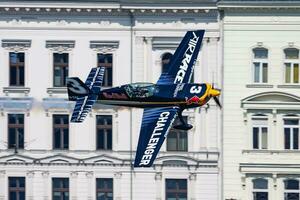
pixel 195 89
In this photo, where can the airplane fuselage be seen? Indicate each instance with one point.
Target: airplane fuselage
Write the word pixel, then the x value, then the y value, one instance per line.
pixel 147 95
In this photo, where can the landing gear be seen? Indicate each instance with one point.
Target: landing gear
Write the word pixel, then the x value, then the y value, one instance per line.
pixel 183 126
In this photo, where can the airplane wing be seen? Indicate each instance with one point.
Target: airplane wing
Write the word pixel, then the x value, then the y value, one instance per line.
pixel 181 66
pixel 155 127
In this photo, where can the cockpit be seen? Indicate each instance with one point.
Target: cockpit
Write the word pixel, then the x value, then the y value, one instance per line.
pixel 140 90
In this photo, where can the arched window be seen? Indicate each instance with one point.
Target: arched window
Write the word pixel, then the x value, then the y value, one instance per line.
pixel 165 60
pixel 260 65
pixel 291 132
pixel 291 65
pixel 291 189
pixel 259 132
pixel 260 189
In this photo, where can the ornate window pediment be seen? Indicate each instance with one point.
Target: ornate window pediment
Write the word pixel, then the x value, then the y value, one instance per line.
pixel 60 46
pixel 104 46
pixel 16 45
pixel 272 100
pixel 103 159
pixel 165 42
pixel 59 159
pixel 16 159
pixel 176 160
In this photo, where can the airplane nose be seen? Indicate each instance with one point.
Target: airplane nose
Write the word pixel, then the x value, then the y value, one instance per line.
pixel 214 92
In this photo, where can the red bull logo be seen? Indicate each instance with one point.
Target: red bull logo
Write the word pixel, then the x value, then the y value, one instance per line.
pixel 193 100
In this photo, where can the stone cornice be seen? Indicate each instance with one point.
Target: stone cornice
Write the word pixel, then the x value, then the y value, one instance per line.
pixel 225 5
pixel 105 7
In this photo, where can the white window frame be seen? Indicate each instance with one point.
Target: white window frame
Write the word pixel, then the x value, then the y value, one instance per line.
pixel 260 190
pixel 291 127
pixel 290 191
pixel 292 62
pixel 261 62
pixel 259 122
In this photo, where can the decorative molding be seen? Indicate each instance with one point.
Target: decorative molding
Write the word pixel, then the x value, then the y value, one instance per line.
pixel 16 159
pixel 16 45
pixel 58 159
pixel 255 85
pixel 17 104
pixel 60 46
pixel 57 90
pixel 103 159
pixel 74 174
pixel 45 174
pixel 13 89
pixel 118 175
pixel 30 174
pixel 296 86
pixel 2 173
pixel 158 176
pixel 89 174
pixel 192 176
pixel 271 100
pixel 164 42
pixel 57 104
pixel 274 177
pixel 104 46
pixel 243 180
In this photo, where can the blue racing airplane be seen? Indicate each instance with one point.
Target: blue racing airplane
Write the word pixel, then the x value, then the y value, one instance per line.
pixel 162 102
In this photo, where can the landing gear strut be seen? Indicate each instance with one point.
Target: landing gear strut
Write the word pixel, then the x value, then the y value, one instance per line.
pixel 184 125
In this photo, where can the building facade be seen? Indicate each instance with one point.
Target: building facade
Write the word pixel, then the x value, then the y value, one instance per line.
pixel 261 100
pixel 44 156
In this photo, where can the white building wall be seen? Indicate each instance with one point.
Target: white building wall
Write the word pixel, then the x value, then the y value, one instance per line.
pixel 245 29
pixel 39 163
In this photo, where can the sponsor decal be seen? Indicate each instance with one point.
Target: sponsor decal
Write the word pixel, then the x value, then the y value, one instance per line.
pixel 187 59
pixel 178 88
pixel 114 95
pixel 154 139
pixel 193 100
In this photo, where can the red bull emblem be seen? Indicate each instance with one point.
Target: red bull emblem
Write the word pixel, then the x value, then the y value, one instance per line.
pixel 193 100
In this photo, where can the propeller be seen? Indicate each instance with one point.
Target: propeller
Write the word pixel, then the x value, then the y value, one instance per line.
pixel 218 102
pixel 215 97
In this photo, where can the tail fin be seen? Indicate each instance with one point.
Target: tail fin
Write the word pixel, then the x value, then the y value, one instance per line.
pixel 87 93
pixel 76 88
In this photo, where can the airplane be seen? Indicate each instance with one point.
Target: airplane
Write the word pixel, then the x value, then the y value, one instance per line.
pixel 162 102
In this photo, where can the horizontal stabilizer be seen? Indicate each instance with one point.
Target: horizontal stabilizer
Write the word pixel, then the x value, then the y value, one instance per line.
pixel 84 104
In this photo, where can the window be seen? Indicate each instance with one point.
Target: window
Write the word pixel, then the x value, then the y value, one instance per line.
pixel 105 60
pixel 16 188
pixel 291 133
pixel 60 189
pixel 260 189
pixel 104 189
pixel 260 132
pixel 260 65
pixel 60 131
pixel 176 189
pixel 291 189
pixel 291 64
pixel 104 132
pixel 61 68
pixel 165 60
pixel 177 140
pixel 16 69
pixel 16 131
